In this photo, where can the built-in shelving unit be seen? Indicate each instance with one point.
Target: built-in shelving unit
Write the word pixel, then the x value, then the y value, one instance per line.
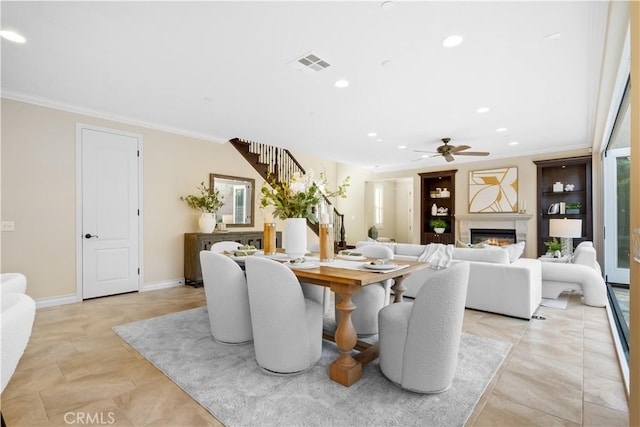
pixel 438 188
pixel 575 171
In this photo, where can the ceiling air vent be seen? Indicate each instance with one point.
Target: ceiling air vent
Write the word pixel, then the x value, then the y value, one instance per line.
pixel 309 62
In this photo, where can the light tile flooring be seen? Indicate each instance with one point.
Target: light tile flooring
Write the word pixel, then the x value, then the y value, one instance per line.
pixel 76 371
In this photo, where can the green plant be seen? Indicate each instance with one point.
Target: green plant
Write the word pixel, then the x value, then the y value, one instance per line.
pixel 553 245
pixel 574 205
pixel 438 223
pixel 207 201
pixel 296 198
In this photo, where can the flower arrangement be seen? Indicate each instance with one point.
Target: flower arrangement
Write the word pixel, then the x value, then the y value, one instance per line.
pixel 298 197
pixel 208 201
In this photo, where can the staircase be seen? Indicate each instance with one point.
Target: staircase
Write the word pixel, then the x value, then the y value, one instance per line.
pixel 280 163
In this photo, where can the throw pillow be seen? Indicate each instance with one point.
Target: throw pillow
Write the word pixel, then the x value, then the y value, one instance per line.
pixel 461 244
pixel 515 251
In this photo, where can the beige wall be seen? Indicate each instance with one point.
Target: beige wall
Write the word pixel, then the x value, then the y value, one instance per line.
pixel 39 194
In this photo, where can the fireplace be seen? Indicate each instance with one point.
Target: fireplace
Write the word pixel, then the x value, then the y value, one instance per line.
pixel 495 221
pixel 493 236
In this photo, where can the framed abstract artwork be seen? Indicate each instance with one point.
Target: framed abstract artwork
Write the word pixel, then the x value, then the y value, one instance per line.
pixel 493 190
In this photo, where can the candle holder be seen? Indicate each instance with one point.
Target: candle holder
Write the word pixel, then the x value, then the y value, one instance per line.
pixel 326 243
pixel 269 238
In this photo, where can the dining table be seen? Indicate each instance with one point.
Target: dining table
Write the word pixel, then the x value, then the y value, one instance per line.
pixel 346 278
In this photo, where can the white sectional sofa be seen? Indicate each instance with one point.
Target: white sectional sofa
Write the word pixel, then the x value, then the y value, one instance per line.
pixel 499 280
pixel 581 274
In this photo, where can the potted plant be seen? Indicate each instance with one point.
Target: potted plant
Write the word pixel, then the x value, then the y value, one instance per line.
pixel 553 247
pixel 207 202
pixel 438 225
pixel 573 208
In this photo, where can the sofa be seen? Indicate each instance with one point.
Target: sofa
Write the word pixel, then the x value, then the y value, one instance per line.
pixel 582 273
pixel 499 280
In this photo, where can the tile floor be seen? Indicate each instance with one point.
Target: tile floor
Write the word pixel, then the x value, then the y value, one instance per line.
pixel 560 371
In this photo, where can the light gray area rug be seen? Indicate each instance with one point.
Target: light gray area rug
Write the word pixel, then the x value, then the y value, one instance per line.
pixel 561 302
pixel 227 381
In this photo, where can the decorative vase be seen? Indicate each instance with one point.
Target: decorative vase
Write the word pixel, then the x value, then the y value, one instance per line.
pixel 434 209
pixel 295 237
pixel 439 230
pixel 207 222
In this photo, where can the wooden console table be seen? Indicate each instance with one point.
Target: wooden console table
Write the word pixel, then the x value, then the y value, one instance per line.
pixel 196 242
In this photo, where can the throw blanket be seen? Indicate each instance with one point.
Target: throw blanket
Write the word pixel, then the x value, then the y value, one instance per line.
pixel 438 255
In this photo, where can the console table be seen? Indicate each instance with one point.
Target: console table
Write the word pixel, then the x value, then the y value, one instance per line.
pixel 196 242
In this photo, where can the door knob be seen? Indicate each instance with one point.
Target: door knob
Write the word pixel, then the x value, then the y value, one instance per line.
pixel 88 236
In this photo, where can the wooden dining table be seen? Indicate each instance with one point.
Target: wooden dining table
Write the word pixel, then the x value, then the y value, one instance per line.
pixel 354 354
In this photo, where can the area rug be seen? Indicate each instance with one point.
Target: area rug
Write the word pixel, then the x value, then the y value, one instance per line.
pixel 227 381
pixel 561 302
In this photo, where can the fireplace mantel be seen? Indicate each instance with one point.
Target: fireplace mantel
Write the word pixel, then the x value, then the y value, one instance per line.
pixel 509 221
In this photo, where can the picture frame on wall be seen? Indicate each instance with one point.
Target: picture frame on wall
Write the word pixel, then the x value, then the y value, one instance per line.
pixel 493 190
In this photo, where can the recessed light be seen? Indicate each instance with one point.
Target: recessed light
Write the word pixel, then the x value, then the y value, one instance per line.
pixel 372 134
pixel 513 143
pixel 482 110
pixel 379 140
pixel 401 147
pixel 552 36
pixel 12 36
pixel 501 130
pixel 452 41
pixel 341 83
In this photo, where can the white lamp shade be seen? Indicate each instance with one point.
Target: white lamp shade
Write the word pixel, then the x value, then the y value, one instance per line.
pixel 567 228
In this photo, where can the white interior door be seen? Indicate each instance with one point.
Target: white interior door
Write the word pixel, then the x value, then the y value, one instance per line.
pixel 617 215
pixel 110 211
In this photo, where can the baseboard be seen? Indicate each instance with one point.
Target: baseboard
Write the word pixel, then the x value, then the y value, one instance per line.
pixel 54 301
pixel 163 285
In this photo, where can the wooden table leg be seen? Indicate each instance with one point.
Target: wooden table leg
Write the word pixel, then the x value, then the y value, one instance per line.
pixel 345 369
pixel 398 289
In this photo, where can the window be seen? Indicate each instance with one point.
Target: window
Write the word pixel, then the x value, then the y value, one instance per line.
pixel 378 205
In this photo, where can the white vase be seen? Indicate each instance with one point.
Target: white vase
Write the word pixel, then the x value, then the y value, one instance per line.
pixel 439 230
pixel 295 237
pixel 207 222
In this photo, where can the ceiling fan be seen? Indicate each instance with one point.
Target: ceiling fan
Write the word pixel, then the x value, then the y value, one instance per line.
pixel 447 151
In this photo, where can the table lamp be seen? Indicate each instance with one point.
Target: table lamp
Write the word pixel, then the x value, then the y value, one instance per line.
pixel 566 230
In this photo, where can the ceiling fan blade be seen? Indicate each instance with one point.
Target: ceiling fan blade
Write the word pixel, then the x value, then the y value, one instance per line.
pixel 459 148
pixel 423 151
pixel 473 153
pixel 449 157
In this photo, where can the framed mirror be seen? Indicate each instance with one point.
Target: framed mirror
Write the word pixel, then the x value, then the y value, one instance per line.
pixel 239 199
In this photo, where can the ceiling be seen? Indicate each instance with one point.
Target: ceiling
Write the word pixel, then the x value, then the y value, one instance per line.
pixel 219 70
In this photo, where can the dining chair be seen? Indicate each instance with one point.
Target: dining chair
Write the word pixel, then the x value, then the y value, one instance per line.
pixel 372 297
pixel 224 246
pixel 287 328
pixel 419 340
pixel 225 289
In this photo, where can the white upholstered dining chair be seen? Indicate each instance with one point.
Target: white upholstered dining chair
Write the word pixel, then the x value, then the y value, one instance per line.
pixel 225 245
pixel 419 340
pixel 372 297
pixel 225 288
pixel 287 328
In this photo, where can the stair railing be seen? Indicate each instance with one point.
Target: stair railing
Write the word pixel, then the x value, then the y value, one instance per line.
pixel 280 163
